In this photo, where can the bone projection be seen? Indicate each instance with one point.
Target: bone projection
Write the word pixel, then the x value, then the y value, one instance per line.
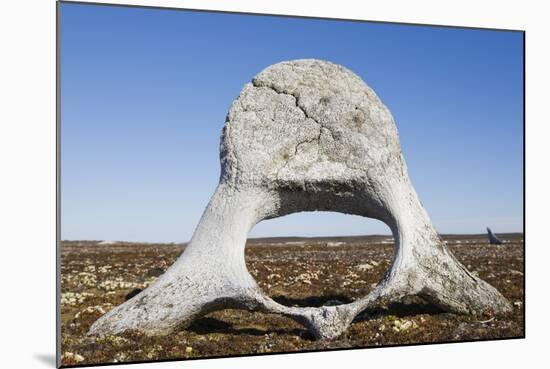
pixel 304 135
pixel 493 240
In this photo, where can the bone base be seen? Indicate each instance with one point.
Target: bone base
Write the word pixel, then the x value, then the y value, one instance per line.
pixel 196 285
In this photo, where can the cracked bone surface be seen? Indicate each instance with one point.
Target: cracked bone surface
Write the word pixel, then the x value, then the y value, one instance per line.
pixel 304 135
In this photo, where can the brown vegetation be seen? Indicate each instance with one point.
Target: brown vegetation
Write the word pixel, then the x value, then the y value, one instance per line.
pixel 313 272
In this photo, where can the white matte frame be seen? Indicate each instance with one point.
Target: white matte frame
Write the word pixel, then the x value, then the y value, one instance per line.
pixel 31 81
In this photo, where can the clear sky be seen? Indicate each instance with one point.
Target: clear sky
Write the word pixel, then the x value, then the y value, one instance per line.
pixel 145 92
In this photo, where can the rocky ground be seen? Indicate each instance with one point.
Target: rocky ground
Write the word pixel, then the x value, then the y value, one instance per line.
pixel 96 277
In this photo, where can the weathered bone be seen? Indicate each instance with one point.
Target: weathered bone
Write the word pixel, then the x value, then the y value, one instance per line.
pixel 493 239
pixel 304 135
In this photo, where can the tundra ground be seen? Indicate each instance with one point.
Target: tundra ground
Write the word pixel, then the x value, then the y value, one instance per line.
pixel 96 277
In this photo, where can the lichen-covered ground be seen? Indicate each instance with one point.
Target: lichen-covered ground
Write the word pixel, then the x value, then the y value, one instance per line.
pixel 96 277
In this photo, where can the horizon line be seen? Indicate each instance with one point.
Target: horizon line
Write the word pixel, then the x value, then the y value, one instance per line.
pixel 290 237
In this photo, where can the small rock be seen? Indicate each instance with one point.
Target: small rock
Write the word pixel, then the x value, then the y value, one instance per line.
pixel 363 267
pixel 401 325
pixel 73 357
pixel 188 349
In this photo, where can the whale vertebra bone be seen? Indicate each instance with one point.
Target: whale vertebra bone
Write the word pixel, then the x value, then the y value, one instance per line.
pixel 304 135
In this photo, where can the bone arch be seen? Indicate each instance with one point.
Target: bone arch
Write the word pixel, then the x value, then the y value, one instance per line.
pixel 304 135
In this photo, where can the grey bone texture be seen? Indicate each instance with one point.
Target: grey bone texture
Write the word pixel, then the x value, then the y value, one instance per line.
pixel 493 239
pixel 304 135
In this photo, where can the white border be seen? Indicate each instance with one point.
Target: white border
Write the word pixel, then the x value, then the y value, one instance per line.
pixel 27 188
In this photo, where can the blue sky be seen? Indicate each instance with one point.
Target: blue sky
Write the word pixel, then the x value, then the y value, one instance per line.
pixel 145 92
